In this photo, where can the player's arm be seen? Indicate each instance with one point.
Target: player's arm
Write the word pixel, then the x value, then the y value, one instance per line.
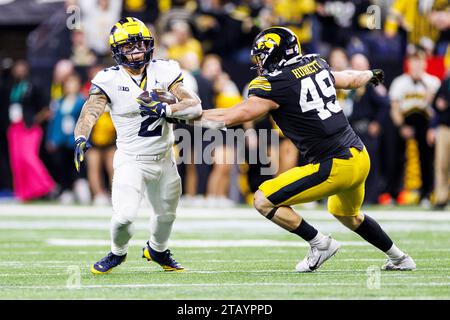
pixel 92 110
pixel 251 109
pixel 188 105
pixel 352 79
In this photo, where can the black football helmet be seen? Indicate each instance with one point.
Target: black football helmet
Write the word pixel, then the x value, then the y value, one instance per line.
pixel 273 47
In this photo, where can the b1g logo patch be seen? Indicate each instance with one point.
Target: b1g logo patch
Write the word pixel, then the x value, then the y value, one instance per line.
pixel 122 88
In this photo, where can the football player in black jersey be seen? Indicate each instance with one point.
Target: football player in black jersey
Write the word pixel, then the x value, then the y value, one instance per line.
pixel 299 92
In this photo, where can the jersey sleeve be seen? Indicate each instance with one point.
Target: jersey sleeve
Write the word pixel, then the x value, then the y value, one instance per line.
pixel 324 64
pixel 103 81
pixel 169 73
pixel 260 87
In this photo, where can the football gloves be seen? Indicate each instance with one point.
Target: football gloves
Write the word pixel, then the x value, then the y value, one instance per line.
pixel 150 106
pixel 81 146
pixel 377 78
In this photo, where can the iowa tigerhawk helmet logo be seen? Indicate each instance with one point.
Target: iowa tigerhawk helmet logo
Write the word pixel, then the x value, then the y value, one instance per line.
pixel 268 41
pixel 273 47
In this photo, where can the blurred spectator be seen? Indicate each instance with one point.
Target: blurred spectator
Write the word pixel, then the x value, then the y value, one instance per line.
pixel 5 84
pixel 60 139
pixel 188 171
pixel 91 72
pixel 145 10
pixel 370 106
pixel 224 28
pixel 226 95
pixel 100 158
pixel 414 17
pixel 98 16
pixel 411 95
pixel 181 43
pixel 296 15
pixel 440 134
pixel 82 55
pixel 206 94
pixel 47 44
pixel 62 70
pixel 342 20
pixel 338 61
pixel 30 177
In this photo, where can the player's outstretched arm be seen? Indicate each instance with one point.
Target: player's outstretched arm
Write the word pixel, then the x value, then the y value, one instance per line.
pixel 247 110
pixel 92 110
pixel 188 105
pixel 352 79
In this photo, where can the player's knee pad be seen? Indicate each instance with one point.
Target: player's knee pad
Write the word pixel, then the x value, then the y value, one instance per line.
pixel 125 213
pixel 122 218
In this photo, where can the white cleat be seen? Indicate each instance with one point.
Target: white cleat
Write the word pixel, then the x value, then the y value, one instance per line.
pixel 318 255
pixel 405 263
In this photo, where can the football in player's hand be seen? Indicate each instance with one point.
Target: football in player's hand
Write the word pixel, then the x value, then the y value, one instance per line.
pixel 164 96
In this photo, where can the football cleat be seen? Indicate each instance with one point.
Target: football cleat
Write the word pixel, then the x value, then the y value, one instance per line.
pixel 404 263
pixel 164 259
pixel 318 255
pixel 106 265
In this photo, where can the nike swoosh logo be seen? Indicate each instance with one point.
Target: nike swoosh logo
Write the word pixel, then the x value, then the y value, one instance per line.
pixel 314 267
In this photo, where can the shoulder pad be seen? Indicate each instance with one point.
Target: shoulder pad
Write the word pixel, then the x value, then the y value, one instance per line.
pixel 167 72
pixel 165 64
pixel 260 83
pixel 105 75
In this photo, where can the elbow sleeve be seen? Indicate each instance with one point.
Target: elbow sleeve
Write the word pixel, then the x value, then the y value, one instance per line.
pixel 189 113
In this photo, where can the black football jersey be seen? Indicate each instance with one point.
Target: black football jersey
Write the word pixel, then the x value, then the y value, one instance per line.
pixel 308 114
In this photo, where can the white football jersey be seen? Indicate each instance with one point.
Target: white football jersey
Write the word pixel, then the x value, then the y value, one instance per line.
pixel 138 134
pixel 413 94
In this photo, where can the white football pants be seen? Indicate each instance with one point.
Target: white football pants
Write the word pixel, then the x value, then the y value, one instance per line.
pixel 136 176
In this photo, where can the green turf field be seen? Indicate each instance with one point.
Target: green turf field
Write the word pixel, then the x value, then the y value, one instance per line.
pixel 46 252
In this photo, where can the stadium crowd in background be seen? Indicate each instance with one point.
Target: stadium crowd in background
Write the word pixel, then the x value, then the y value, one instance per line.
pixel 400 123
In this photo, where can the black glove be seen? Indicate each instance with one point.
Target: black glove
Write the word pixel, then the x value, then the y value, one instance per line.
pixel 149 105
pixel 81 146
pixel 377 78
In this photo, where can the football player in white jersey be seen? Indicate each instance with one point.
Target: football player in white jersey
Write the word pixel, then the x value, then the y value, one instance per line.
pixel 143 163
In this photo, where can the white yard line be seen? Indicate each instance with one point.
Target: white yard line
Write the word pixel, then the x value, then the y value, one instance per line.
pixel 385 276
pixel 205 213
pixel 199 243
pixel 224 284
pixel 235 226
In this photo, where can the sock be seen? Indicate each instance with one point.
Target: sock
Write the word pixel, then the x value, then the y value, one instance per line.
pixel 319 240
pixel 161 228
pixel 121 234
pixel 371 231
pixel 306 231
pixel 394 252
